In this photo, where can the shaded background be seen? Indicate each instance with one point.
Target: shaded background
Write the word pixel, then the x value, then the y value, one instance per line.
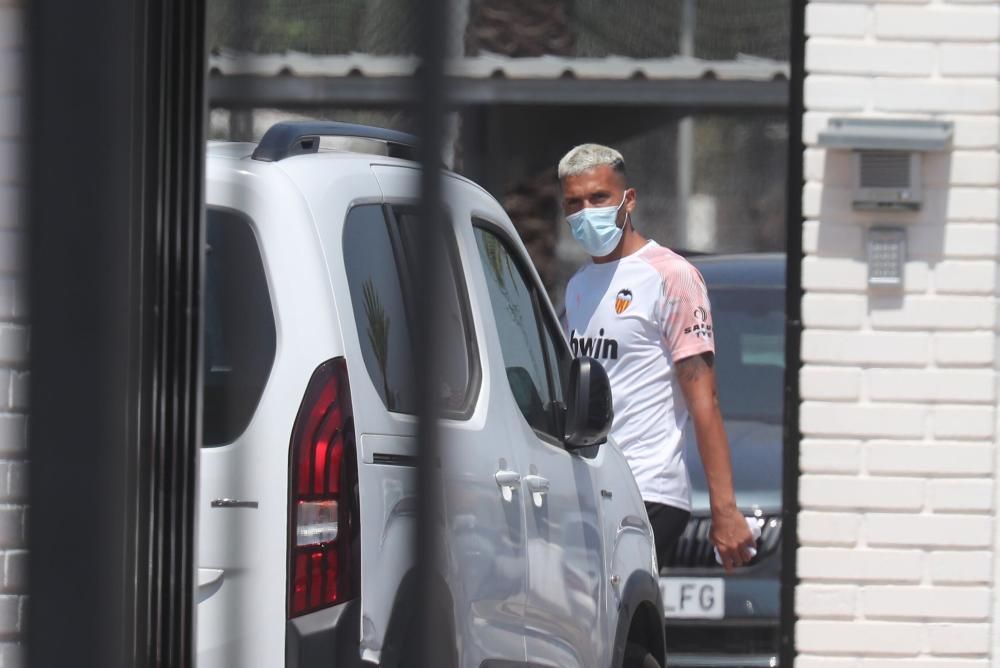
pixel 708 179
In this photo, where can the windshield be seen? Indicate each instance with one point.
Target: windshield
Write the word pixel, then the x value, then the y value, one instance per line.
pixel 749 352
pixel 750 365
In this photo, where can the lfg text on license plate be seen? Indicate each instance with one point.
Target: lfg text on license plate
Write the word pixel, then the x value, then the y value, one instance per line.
pixel 693 598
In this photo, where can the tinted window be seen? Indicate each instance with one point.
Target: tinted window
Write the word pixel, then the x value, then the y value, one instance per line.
pixel 750 352
pixel 750 365
pixel 379 256
pixel 239 327
pixel 459 363
pixel 514 307
pixel 559 360
pixel 379 313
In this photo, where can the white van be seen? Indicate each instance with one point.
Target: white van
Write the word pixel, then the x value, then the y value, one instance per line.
pixel 306 507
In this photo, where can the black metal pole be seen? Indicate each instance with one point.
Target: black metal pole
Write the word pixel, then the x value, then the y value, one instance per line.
pixel 432 25
pixel 793 334
pixel 115 178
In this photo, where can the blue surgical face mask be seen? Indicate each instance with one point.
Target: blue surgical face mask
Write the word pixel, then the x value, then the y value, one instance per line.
pixel 597 229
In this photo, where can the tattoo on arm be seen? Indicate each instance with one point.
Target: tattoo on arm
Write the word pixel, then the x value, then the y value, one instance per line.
pixel 692 368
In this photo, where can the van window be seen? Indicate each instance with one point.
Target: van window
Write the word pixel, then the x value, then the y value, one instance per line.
pixel 380 257
pixel 518 320
pixel 459 371
pixel 239 327
pixel 379 312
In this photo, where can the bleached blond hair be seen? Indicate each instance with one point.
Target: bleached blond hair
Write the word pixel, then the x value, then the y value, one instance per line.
pixel 584 157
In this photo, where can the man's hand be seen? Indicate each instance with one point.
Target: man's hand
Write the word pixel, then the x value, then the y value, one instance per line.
pixel 730 533
pixel 731 537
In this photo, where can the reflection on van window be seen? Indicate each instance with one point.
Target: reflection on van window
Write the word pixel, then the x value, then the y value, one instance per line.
pixel 380 256
pixel 459 357
pixel 379 313
pixel 517 325
pixel 239 327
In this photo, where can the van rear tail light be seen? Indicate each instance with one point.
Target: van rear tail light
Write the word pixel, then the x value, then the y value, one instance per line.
pixel 316 523
pixel 323 548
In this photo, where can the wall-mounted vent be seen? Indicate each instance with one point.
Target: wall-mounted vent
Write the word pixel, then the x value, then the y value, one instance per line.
pixel 887 180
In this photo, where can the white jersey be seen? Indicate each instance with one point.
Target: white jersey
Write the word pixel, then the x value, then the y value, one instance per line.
pixel 638 316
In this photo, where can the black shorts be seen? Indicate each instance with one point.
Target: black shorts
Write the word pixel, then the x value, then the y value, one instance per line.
pixel 668 525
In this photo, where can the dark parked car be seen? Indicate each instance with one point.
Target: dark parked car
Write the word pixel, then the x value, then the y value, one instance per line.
pixel 714 619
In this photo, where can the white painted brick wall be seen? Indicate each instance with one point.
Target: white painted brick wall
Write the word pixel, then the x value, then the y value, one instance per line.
pixel 13 346
pixel 827 601
pixel 840 419
pixel 904 95
pixel 830 383
pixel 833 456
pixel 932 385
pixel 937 602
pixel 929 460
pixel 834 311
pixel 896 529
pixel 860 637
pixel 960 495
pixel 973 60
pixel 821 492
pixel 965 277
pixel 924 313
pixel 829 529
pixel 865 348
pixel 964 422
pixel 856 57
pixel 938 23
pixel 857 565
pixel 836 20
pixel 958 639
pixel 966 349
pixel 960 567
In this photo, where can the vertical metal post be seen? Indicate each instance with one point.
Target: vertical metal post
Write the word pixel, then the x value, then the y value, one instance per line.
pixel 80 93
pixel 241 125
pixel 793 333
pixel 115 187
pixel 689 23
pixel 432 23
pixel 685 131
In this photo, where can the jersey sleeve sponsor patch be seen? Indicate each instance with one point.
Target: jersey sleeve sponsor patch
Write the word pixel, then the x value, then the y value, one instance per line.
pixel 686 314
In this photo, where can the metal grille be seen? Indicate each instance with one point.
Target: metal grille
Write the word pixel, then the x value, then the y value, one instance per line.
pixel 695 550
pixel 732 640
pixel 885 169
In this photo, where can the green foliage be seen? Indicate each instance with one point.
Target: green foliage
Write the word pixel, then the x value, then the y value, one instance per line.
pixel 311 26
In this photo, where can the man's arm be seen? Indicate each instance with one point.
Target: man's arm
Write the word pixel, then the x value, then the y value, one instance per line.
pixel 730 533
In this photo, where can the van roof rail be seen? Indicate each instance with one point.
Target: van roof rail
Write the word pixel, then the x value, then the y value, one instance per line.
pixel 288 138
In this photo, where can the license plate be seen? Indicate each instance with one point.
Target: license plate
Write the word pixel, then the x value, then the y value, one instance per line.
pixel 693 598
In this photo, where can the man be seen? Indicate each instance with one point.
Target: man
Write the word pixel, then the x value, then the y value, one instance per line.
pixel 643 312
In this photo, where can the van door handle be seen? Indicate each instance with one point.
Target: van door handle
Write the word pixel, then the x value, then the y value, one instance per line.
pixel 508 481
pixel 539 487
pixel 537 484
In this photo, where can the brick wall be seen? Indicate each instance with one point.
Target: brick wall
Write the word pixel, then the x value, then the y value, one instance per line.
pixel 900 390
pixel 13 343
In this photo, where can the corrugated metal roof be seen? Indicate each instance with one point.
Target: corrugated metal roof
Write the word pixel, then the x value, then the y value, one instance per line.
pixel 743 68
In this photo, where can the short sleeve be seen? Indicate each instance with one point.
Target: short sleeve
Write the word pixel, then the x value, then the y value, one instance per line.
pixel 687 313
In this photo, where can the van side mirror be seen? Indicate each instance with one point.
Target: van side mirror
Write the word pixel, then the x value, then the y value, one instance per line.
pixel 588 404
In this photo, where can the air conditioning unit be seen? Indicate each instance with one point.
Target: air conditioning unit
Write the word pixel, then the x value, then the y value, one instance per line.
pixel 886 180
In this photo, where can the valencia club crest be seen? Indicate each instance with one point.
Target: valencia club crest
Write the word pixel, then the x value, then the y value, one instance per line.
pixel 622 301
